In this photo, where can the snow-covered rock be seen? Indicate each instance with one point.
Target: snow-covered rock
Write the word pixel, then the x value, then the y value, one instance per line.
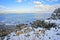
pixel 49 35
pixel 53 21
pixel 39 34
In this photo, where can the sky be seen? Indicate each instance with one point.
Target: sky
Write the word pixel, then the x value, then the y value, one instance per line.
pixel 28 6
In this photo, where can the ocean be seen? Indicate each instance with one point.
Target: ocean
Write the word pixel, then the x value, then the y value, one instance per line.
pixel 23 17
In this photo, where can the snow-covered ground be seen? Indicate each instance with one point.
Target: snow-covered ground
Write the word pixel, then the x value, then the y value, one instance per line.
pixel 38 34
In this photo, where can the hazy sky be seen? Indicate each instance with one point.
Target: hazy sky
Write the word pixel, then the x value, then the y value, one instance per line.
pixel 28 6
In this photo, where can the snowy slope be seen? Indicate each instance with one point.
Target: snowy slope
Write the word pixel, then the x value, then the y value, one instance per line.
pixel 49 35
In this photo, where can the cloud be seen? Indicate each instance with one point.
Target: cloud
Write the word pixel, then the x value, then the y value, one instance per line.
pixel 16 11
pixel 4 9
pixel 52 0
pixel 37 2
pixel 19 1
pixel 41 8
pixel 45 8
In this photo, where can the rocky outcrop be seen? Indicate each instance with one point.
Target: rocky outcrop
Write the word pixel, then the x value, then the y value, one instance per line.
pixel 57 10
pixel 56 14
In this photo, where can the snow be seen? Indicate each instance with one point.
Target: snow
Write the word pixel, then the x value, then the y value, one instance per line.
pixel 53 21
pixel 49 34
